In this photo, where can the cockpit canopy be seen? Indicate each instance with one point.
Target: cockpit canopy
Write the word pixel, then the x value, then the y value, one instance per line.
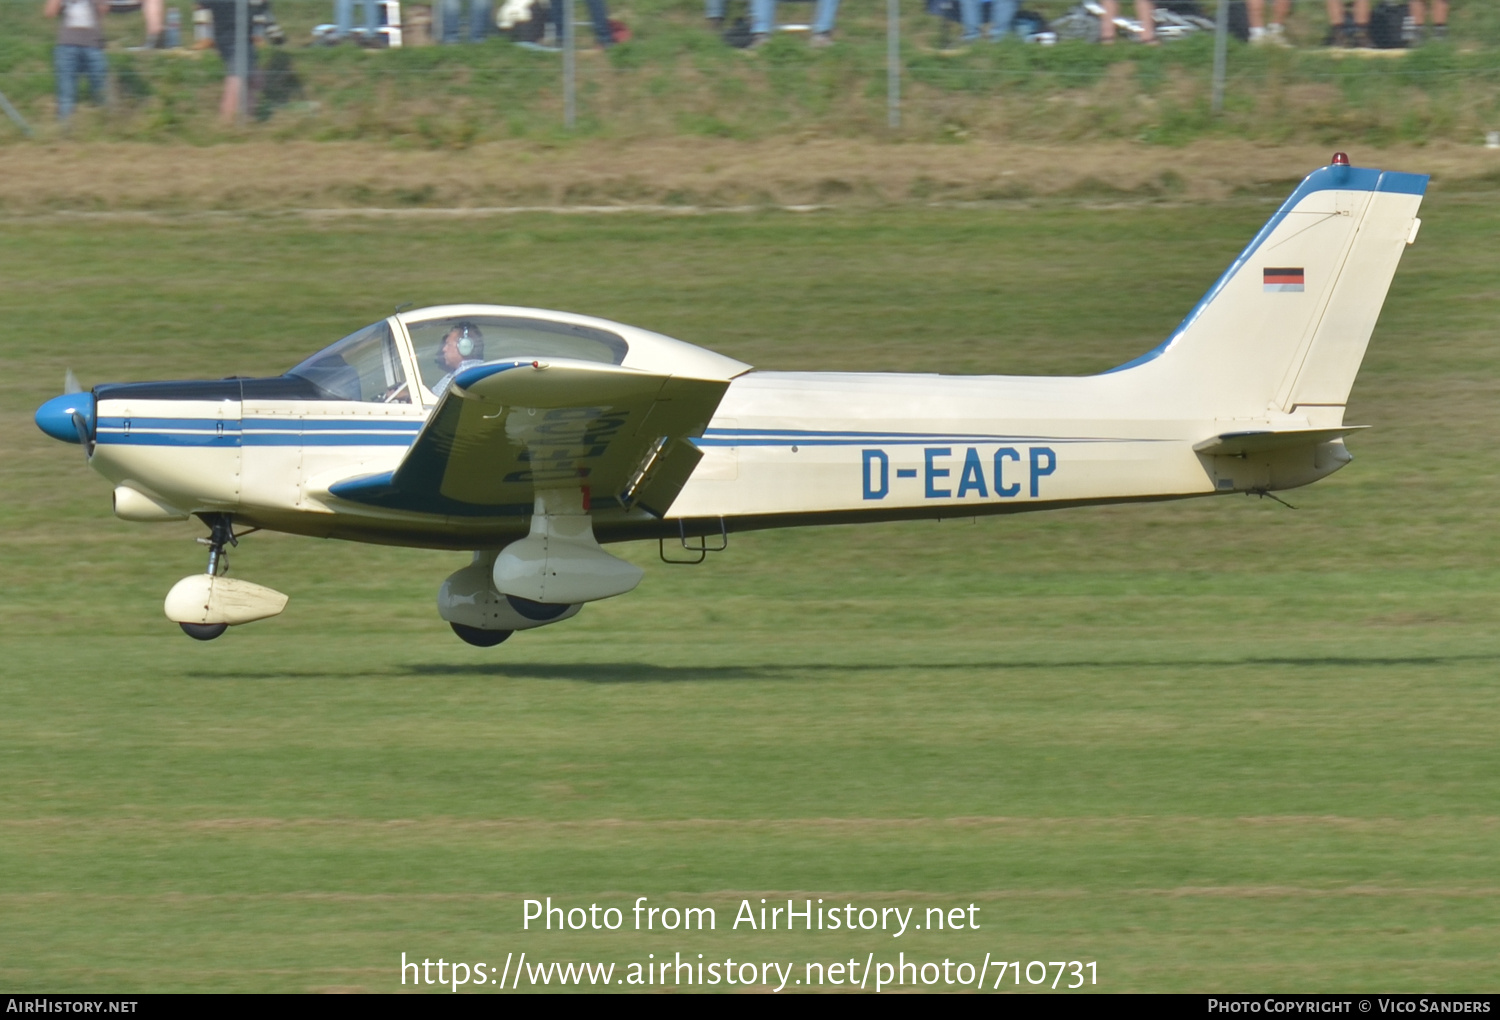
pixel 376 363
pixel 365 365
pixel 502 337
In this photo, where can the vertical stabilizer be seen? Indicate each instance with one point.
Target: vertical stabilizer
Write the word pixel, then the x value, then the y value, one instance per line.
pixel 1287 324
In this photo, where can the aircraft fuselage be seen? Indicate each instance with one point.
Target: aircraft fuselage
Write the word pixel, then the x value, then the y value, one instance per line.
pixel 784 448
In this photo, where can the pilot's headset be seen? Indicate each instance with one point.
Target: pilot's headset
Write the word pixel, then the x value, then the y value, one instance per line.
pixel 470 341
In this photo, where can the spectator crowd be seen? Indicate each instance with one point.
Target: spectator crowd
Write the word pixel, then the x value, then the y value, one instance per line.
pixel 78 54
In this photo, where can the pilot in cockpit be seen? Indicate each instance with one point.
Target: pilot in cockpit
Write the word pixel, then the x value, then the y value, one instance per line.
pixel 462 347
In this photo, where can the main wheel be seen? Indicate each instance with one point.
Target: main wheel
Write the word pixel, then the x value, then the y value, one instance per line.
pixel 539 611
pixel 203 631
pixel 477 637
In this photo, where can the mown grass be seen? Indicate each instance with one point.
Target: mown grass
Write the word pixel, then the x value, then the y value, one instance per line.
pixel 1211 745
pixel 675 77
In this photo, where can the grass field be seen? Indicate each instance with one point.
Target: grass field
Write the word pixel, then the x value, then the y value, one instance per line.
pixel 1209 745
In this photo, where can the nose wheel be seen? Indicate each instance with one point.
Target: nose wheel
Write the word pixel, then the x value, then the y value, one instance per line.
pixel 204 605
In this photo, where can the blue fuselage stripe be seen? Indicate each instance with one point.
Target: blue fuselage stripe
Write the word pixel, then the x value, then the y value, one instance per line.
pixel 207 432
pixel 410 426
pixel 220 433
pixel 346 439
pixel 312 424
pixel 214 425
pixel 199 439
pixel 814 440
pixel 166 439
pixel 204 439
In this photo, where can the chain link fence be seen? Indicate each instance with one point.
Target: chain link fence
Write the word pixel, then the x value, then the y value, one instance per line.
pixel 898 69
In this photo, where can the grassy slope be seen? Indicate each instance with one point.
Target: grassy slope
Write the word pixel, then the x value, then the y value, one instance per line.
pixel 676 78
pixel 1219 744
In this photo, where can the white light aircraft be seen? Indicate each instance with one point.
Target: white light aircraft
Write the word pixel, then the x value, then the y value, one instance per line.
pixel 529 437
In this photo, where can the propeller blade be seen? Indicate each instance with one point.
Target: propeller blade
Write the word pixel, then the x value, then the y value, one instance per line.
pixel 70 383
pixel 82 426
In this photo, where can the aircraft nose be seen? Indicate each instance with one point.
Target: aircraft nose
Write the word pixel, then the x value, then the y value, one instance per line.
pixel 55 417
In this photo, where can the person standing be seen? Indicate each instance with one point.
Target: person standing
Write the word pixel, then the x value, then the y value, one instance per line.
pixel 343 19
pixel 79 50
pixel 154 12
pixel 1145 13
pixel 1418 11
pixel 763 22
pixel 1262 34
pixel 1341 32
pixel 604 33
pixel 479 20
pixel 1002 16
pixel 226 41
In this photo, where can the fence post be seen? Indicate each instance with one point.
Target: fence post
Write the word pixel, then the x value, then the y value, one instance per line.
pixel 893 62
pixel 242 56
pixel 570 100
pixel 1221 51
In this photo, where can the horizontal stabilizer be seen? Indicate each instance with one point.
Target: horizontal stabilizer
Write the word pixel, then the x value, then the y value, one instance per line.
pixel 1235 444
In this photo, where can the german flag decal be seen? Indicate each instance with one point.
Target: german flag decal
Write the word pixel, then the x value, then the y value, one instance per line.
pixel 1283 281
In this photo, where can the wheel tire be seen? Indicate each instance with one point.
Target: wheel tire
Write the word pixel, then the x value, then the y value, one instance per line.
pixel 203 631
pixel 538 611
pixel 480 638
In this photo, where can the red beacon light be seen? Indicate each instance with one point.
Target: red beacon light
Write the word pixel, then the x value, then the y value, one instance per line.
pixel 1340 159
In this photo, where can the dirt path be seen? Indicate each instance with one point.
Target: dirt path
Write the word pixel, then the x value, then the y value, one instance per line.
pixel 679 172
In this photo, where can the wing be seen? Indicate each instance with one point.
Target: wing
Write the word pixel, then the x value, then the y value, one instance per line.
pixel 506 429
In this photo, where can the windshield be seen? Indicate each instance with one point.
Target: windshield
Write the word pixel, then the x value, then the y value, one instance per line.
pixel 477 338
pixel 362 366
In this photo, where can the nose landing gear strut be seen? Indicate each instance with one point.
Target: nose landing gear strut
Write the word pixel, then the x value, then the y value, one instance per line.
pixel 220 534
